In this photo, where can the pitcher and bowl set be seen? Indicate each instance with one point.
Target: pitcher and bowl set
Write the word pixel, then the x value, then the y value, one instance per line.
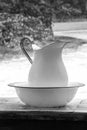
pixel 47 84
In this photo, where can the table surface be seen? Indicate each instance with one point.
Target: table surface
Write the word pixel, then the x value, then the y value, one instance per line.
pixel 13 108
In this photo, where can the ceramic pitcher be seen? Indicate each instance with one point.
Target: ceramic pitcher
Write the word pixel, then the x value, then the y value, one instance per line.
pixel 47 69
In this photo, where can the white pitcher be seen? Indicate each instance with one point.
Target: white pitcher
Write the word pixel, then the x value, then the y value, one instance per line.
pixel 47 68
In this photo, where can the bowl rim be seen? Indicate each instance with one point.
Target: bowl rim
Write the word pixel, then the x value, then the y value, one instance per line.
pixel 70 85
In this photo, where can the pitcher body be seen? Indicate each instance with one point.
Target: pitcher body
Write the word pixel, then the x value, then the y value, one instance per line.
pixel 47 69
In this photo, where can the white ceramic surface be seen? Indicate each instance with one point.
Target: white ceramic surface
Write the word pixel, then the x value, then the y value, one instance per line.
pixel 45 96
pixel 47 67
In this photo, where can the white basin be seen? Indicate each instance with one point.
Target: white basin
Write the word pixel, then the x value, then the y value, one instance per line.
pixel 45 96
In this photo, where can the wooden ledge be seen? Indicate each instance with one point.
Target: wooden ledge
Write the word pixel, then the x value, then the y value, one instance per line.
pixel 13 108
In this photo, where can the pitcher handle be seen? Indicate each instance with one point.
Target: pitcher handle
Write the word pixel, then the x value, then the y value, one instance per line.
pixel 23 49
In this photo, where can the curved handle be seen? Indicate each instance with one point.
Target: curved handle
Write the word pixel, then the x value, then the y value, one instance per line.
pixel 23 49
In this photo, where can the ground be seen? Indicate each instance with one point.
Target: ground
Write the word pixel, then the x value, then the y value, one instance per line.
pixel 17 69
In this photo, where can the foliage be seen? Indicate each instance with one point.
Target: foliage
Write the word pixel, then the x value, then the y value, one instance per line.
pixel 31 18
